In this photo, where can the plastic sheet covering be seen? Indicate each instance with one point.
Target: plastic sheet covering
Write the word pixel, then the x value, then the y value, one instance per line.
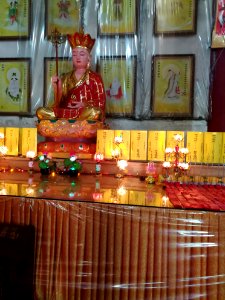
pixel 100 242
pixel 106 251
pixel 128 49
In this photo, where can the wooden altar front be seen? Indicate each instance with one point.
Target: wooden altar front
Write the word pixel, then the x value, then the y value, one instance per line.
pixel 86 249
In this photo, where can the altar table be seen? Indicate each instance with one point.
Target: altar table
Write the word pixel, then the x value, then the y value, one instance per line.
pixel 137 246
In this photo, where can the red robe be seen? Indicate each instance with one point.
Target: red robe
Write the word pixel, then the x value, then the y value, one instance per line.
pixel 89 90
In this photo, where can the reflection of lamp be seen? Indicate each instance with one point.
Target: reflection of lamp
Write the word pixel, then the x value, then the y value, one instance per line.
pixel 121 191
pixel 98 157
pixel 71 191
pixel 166 167
pixel 165 201
pixel 3 190
pixel 114 196
pixel 151 173
pixel 30 190
pixel 97 195
pixel 30 155
pixel 122 165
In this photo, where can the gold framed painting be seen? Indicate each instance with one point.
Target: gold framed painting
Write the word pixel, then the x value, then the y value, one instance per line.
pixel 172 86
pixel 117 17
pixel 119 77
pixel 64 65
pixel 174 17
pixel 63 15
pixel 15 19
pixel 218 32
pixel 15 86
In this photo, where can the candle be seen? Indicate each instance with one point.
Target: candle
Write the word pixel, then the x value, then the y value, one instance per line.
pixel 184 150
pixel 169 150
pixel 166 164
pixel 121 191
pixel 122 164
pixel 118 139
pixel 184 166
pixel 30 154
pixel 115 153
pixel 98 157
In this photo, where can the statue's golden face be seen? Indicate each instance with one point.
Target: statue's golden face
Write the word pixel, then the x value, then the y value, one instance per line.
pixel 81 58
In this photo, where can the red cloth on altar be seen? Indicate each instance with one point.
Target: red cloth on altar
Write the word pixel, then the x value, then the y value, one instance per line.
pixel 191 196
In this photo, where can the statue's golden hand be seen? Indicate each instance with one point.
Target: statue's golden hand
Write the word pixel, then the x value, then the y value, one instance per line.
pixel 45 113
pixel 76 105
pixel 91 113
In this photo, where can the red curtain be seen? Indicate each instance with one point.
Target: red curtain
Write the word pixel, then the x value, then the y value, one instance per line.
pixel 104 251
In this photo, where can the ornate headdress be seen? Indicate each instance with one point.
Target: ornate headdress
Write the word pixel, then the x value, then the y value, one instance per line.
pixel 79 39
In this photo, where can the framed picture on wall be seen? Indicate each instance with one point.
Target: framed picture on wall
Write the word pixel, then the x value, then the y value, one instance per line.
pixel 15 86
pixel 174 17
pixel 15 20
pixel 117 17
pixel 119 77
pixel 172 86
pixel 63 15
pixel 64 65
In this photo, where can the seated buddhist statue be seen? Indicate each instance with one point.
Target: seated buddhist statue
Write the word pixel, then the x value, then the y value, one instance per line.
pixel 80 93
pixel 78 110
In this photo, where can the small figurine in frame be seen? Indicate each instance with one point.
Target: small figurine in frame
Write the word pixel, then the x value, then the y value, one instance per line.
pixel 172 86
pixel 15 86
pixel 63 15
pixel 15 19
pixel 119 77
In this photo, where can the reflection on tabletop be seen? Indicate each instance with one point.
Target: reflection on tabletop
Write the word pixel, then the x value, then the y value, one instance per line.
pixel 104 189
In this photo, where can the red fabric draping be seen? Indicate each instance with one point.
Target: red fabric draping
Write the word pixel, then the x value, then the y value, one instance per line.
pixel 191 196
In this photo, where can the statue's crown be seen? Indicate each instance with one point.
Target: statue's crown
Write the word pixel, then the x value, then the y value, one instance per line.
pixel 79 39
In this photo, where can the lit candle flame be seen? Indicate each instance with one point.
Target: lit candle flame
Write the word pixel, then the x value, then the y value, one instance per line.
pixel 166 164
pixel 115 153
pixel 98 156
pixel 184 166
pixel 184 150
pixel 30 154
pixel 118 139
pixel 168 150
pixel 121 191
pixel 122 164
